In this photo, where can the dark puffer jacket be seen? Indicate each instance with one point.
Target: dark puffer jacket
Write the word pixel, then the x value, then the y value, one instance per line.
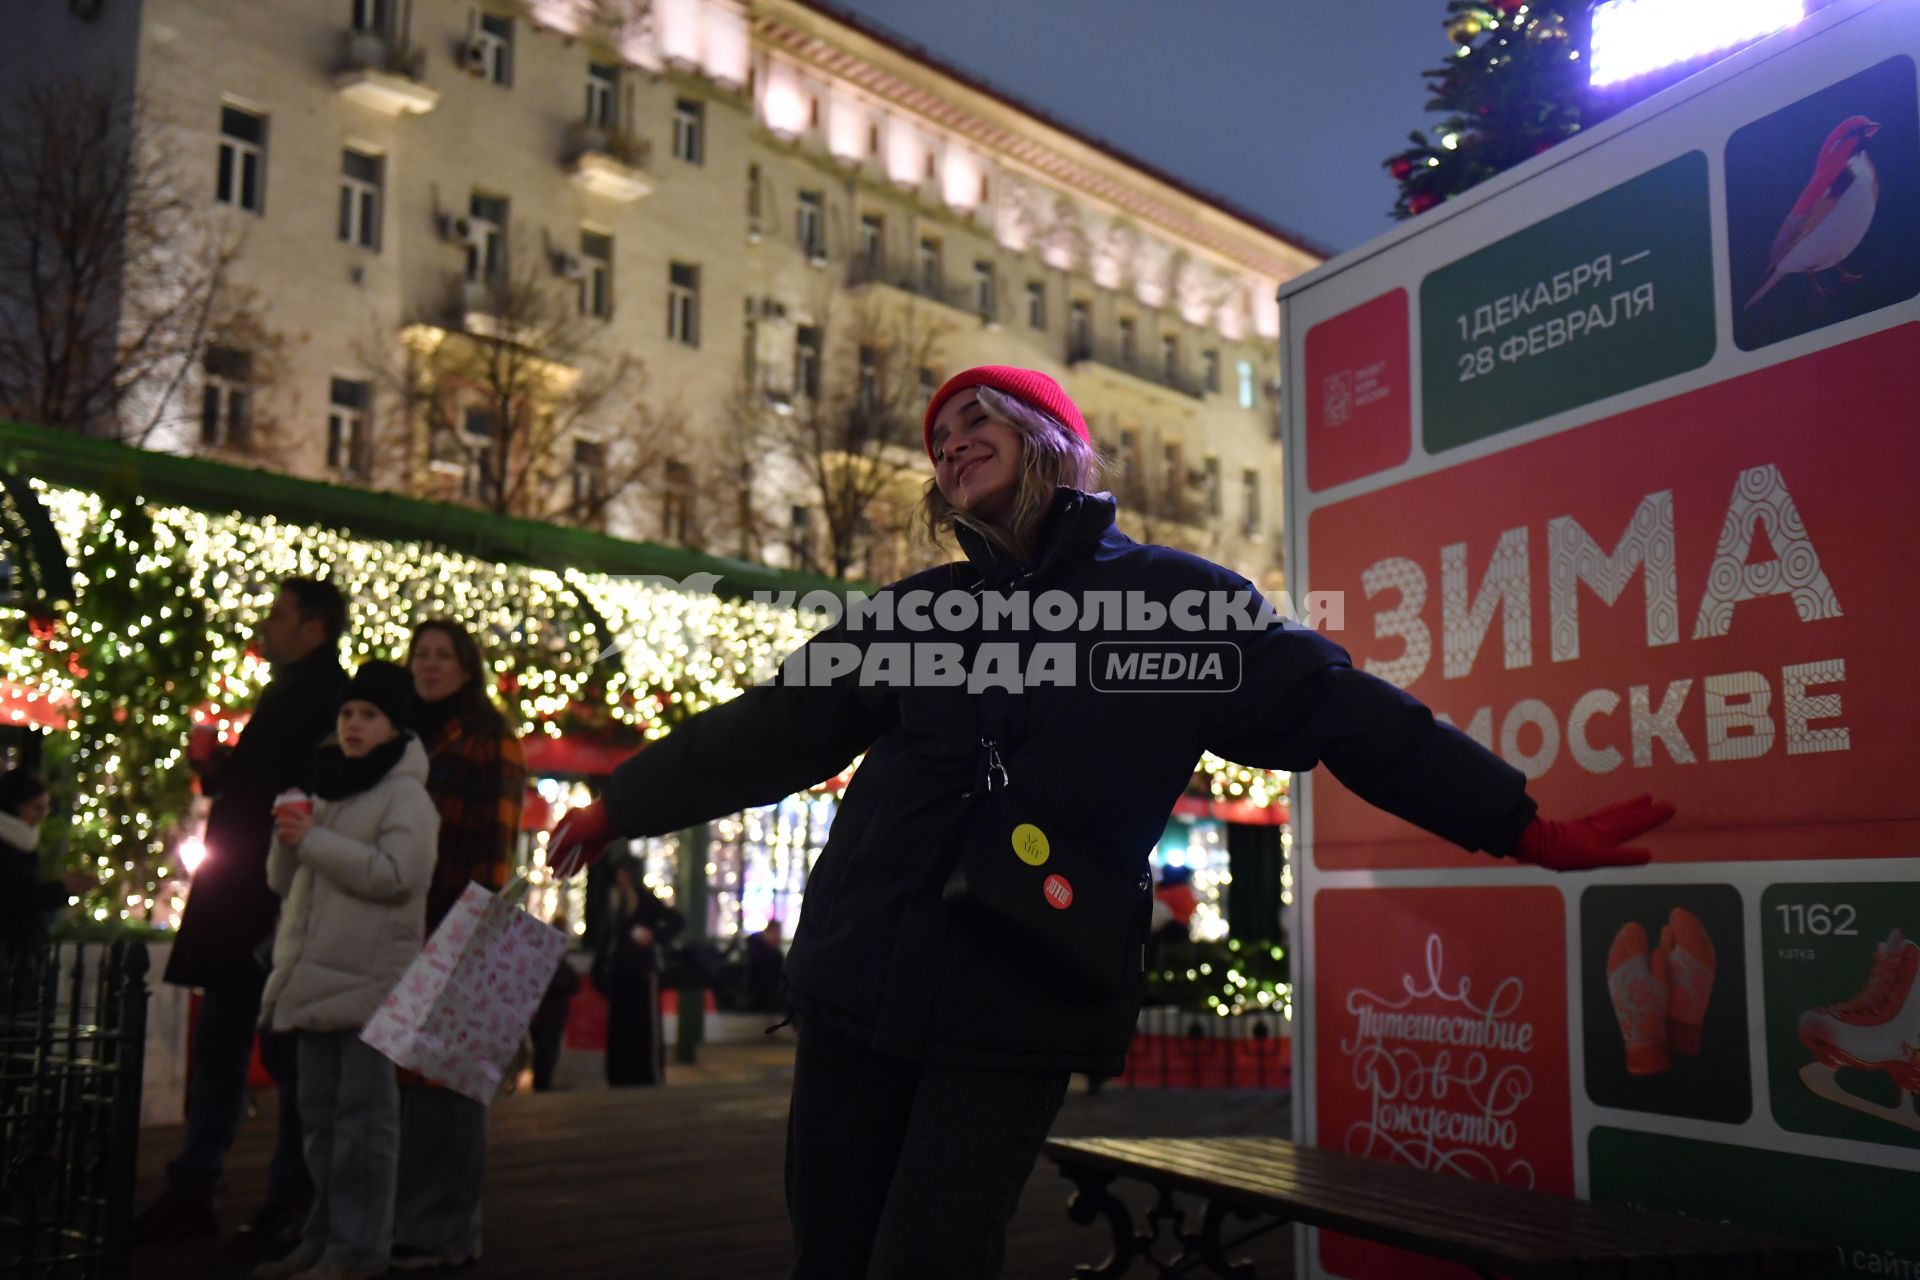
pixel 877 952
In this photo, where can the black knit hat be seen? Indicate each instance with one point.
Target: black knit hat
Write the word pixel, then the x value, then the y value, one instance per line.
pixel 18 788
pixel 387 686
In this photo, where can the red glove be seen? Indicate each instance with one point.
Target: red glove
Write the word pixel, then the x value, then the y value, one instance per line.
pixel 582 836
pixel 1597 840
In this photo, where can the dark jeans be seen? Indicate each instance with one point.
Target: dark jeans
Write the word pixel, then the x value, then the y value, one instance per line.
pixel 443 1172
pixel 897 1171
pixel 549 1035
pixel 217 1096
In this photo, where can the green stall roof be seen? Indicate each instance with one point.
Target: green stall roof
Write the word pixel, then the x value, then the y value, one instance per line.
pixel 64 458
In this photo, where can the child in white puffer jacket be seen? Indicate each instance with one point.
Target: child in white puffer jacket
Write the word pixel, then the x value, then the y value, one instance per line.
pixel 352 874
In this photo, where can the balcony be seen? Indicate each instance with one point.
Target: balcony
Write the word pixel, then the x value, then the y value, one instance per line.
pixel 382 74
pixel 908 278
pixel 1116 357
pixel 608 162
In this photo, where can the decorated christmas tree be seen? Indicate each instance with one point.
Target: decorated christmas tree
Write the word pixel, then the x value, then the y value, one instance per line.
pixel 1513 88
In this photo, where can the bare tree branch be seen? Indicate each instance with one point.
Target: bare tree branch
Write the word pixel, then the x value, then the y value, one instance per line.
pixel 855 439
pixel 504 394
pixel 114 280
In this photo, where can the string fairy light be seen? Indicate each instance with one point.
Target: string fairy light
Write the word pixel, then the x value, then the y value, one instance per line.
pixel 158 643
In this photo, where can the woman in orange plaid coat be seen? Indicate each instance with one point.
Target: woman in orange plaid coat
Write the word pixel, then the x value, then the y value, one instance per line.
pixel 476 774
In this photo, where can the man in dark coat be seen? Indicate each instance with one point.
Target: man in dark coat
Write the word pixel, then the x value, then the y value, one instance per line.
pixel 765 960
pixel 230 915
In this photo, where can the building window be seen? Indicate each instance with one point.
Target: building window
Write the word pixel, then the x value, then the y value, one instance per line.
pixel 806 361
pixel 350 428
pixel 1250 501
pixel 372 17
pixel 1036 304
pixel 873 238
pixel 986 189
pixel 360 199
pixel 487 237
pixel 750 346
pixel 1213 487
pixel 813 112
pixel 603 94
pixel 589 477
pixel 1246 384
pixel 931 274
pixel 1173 474
pixel 984 300
pixel 1129 341
pixel 1079 328
pixel 933 163
pixel 873 137
pixel 596 278
pixel 867 393
pixel 753 199
pixel 1129 460
pixel 1169 357
pixel 676 502
pixel 1210 369
pixel 689 131
pixel 226 404
pixel 809 225
pixel 490 56
pixel 683 304
pixel 242 180
pixel 478 478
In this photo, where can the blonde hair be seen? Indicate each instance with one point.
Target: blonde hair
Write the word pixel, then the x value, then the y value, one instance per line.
pixel 1050 456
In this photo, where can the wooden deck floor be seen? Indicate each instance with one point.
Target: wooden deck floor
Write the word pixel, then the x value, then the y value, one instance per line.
pixel 683 1182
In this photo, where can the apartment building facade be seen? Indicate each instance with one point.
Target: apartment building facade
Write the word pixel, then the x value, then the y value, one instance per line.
pixel 712 208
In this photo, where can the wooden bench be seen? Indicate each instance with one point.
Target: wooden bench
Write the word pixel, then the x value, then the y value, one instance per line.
pixel 1495 1230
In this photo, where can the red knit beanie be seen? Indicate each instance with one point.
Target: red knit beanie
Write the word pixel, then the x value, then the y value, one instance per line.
pixel 1030 385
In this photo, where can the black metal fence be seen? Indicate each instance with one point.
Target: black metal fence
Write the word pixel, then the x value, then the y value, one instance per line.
pixel 1189 1049
pixel 73 1020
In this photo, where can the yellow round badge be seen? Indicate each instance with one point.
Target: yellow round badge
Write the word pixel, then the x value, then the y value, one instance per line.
pixel 1030 844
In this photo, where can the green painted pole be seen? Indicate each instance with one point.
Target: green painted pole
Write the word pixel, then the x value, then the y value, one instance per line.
pixel 693 904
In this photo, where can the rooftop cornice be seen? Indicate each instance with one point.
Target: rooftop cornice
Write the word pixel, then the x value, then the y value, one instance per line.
pixel 874 64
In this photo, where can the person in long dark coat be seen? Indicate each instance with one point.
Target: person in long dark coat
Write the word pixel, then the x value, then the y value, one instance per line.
pixel 626 970
pixel 229 918
pixel 933 1052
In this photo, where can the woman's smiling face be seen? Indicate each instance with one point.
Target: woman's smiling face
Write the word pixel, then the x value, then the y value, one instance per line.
pixel 435 665
pixel 976 458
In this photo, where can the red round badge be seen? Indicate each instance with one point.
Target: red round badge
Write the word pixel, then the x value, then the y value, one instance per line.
pixel 1059 892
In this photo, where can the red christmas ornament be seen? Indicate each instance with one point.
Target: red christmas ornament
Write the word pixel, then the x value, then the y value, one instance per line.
pixel 1421 201
pixel 1401 168
pixel 42 627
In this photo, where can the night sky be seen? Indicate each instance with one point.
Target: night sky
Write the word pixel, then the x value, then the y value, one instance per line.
pixel 1284 107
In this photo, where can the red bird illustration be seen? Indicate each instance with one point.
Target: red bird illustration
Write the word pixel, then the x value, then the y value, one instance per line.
pixel 1833 213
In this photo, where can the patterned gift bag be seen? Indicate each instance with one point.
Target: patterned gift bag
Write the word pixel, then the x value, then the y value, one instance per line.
pixel 459 1012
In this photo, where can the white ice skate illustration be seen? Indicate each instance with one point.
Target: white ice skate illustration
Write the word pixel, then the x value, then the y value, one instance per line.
pixel 1877 1030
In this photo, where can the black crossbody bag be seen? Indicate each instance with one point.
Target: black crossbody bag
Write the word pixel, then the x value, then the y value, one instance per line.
pixel 1068 912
